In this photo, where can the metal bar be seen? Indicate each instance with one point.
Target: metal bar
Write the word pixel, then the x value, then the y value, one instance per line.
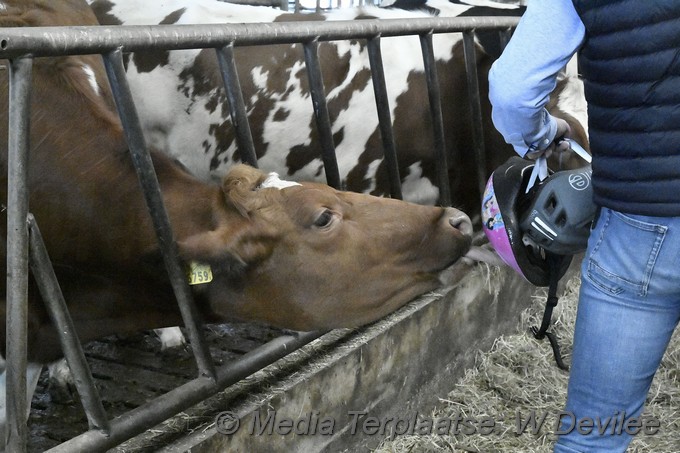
pixel 237 108
pixel 475 109
pixel 384 115
pixel 113 61
pixel 504 37
pixel 169 404
pixel 55 41
pixel 323 122
pixel 20 73
pixel 56 307
pixel 434 94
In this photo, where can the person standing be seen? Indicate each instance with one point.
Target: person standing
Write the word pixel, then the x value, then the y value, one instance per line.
pixel 629 303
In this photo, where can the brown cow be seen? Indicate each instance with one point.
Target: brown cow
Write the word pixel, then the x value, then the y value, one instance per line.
pixel 300 256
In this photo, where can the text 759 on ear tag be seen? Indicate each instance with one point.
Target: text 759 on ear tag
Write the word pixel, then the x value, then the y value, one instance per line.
pixel 199 273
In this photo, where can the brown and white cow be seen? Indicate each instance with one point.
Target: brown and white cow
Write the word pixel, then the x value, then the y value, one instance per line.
pixel 183 109
pixel 297 255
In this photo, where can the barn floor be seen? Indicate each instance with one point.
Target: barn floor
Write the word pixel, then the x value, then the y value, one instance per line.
pixel 129 372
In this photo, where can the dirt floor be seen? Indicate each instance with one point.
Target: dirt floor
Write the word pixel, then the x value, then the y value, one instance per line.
pixel 129 372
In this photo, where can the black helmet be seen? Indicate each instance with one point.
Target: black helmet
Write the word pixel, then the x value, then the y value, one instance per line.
pixel 560 212
pixel 554 217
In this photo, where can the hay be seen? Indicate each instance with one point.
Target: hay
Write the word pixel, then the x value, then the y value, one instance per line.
pixel 519 376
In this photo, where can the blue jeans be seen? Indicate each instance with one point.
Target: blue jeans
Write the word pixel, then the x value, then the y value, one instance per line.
pixel 629 306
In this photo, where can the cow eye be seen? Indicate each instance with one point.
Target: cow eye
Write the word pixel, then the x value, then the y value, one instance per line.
pixel 324 219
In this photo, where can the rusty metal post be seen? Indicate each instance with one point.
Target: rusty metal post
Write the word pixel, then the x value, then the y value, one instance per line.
pixel 434 95
pixel 237 108
pixel 323 122
pixel 475 108
pixel 113 61
pixel 384 115
pixel 61 318
pixel 20 73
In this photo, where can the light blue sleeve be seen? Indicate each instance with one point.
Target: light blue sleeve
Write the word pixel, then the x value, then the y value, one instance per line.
pixel 521 80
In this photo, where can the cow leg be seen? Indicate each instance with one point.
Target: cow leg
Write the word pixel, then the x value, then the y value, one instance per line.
pixel 32 374
pixel 171 337
pixel 61 383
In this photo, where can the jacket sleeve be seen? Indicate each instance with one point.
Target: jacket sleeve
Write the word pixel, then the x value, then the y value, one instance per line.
pixel 521 80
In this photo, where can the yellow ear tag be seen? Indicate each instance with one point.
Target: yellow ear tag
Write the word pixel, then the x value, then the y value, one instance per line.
pixel 199 273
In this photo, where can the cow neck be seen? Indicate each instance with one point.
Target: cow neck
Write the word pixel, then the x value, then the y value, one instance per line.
pixel 193 206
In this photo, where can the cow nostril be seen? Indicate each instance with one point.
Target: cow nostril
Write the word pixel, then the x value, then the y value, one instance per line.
pixel 461 222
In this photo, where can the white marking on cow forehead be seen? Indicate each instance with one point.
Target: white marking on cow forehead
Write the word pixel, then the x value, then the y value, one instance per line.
pixel 91 78
pixel 274 182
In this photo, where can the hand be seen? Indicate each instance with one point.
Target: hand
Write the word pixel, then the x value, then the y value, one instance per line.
pixel 558 145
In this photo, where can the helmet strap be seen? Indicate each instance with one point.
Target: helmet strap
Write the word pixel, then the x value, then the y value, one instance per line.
pixel 554 264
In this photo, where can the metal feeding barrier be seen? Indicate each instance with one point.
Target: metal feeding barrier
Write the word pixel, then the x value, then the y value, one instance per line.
pixel 25 245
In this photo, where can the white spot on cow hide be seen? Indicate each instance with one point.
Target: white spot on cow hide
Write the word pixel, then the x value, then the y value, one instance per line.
pixel 418 189
pixel 91 78
pixel 195 12
pixel 32 374
pixel 370 174
pixel 170 337
pixel 274 182
pixel 572 99
pixel 491 4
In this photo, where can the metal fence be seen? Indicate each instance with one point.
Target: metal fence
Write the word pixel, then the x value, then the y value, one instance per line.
pixel 24 242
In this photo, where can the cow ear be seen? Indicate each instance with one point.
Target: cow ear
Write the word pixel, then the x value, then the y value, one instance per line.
pixel 238 187
pixel 229 250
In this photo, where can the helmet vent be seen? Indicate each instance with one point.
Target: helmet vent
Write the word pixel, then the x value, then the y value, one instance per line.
pixel 550 204
pixel 561 220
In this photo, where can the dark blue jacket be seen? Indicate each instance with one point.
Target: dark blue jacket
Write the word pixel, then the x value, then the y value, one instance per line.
pixel 630 62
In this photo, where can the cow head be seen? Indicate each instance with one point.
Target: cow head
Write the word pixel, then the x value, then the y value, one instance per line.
pixel 306 256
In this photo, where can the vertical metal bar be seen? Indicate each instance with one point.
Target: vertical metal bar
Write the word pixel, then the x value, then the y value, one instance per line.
pixel 434 94
pixel 237 108
pixel 475 108
pixel 113 61
pixel 56 307
pixel 504 36
pixel 323 121
pixel 20 73
pixel 384 115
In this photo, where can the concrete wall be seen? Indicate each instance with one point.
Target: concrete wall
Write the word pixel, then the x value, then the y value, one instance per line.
pixel 397 368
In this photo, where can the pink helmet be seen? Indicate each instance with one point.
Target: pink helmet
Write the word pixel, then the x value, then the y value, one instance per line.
pixel 504 205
